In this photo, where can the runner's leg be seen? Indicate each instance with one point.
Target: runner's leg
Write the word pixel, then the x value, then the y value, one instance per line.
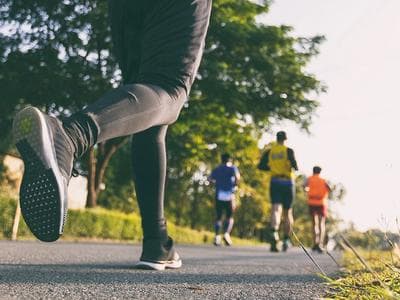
pixel 288 225
pixel 315 228
pixel 321 230
pixel 228 218
pixel 276 212
pixel 149 168
pixel 219 212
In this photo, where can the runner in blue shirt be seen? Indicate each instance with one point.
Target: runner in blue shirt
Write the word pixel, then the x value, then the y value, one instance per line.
pixel 225 176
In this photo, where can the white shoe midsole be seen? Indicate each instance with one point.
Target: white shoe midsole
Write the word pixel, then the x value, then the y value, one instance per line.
pixel 160 266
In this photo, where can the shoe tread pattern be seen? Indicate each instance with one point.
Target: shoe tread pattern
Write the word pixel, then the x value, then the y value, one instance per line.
pixel 39 192
pixel 39 196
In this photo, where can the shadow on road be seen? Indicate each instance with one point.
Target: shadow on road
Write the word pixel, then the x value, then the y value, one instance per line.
pixel 111 274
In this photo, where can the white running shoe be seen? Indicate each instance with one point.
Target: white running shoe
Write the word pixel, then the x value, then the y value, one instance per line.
pixel 227 239
pixel 158 255
pixel 174 263
pixel 217 240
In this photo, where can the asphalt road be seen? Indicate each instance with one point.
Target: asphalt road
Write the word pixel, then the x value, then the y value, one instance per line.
pixel 34 270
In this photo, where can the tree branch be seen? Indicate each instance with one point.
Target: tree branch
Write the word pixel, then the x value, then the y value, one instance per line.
pixel 108 153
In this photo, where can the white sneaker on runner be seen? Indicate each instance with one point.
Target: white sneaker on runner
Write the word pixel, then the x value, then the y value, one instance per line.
pixel 158 255
pixel 227 239
pixel 217 240
pixel 174 263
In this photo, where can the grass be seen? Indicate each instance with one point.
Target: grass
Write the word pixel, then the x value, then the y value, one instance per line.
pixel 382 281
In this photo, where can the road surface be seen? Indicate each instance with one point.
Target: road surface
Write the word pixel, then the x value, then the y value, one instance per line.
pixel 33 270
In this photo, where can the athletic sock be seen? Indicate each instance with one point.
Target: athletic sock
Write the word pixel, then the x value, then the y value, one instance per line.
pixel 82 131
pixel 228 225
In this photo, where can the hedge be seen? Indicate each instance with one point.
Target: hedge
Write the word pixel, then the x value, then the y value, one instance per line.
pixel 99 223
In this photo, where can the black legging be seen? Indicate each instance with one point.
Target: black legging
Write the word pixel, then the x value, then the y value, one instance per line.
pixel 149 166
pixel 159 45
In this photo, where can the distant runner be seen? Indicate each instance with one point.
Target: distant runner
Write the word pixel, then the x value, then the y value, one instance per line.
pixel 279 160
pixel 225 176
pixel 318 191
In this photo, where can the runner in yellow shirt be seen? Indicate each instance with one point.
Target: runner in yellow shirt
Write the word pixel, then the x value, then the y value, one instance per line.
pixel 279 160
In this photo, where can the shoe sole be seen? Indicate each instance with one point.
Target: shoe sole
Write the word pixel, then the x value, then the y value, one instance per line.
pixel 42 191
pixel 146 265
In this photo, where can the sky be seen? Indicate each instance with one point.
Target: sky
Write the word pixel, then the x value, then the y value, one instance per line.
pixel 354 135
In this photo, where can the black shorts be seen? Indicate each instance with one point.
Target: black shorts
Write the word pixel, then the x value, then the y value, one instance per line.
pixel 159 41
pixel 319 210
pixel 222 206
pixel 282 192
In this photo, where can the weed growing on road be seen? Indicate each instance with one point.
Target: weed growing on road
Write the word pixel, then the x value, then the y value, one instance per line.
pixel 359 283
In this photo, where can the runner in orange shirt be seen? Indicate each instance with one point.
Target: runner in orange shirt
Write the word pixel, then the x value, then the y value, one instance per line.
pixel 317 192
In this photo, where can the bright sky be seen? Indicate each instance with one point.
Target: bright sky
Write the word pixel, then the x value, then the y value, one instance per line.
pixel 353 138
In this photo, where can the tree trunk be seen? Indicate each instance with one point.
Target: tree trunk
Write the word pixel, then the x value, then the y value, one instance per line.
pixel 194 205
pixel 97 165
pixel 17 217
pixel 92 164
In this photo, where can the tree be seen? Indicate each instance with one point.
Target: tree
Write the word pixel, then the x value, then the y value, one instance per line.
pixel 58 56
pixel 251 75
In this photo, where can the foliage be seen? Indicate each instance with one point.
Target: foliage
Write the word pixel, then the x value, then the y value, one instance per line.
pixel 251 75
pixel 8 206
pixel 57 57
pixel 372 239
pixel 119 191
pixel 256 69
pixel 103 224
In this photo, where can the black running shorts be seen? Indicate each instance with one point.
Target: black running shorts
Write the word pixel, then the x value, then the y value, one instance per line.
pixel 159 41
pixel 282 192
pixel 224 206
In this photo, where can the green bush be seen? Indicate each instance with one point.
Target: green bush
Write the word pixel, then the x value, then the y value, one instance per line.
pixel 103 224
pixel 7 211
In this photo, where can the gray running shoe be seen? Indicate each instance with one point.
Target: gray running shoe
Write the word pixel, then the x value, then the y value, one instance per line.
pixel 48 157
pixel 159 256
